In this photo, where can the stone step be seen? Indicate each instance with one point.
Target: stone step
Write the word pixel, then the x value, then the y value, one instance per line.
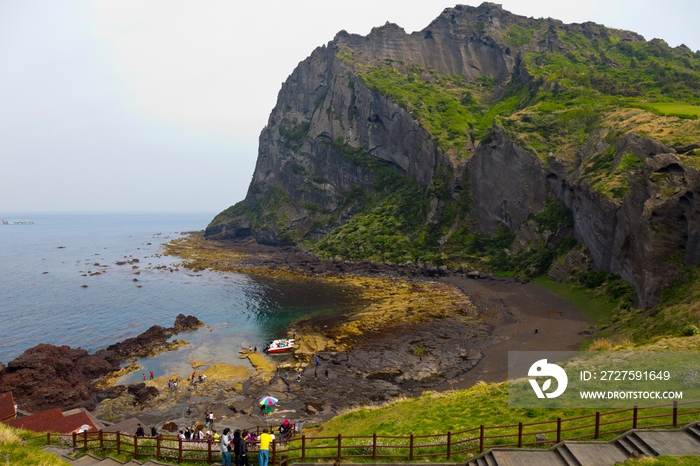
pixel 500 460
pixel 566 455
pixel 110 462
pixel 490 460
pixel 88 460
pixel 694 431
pixel 641 445
pixel 626 446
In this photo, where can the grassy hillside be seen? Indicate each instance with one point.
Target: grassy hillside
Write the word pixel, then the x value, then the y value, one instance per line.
pixel 14 451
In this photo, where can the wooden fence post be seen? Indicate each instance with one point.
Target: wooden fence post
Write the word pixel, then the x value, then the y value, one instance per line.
pixel 102 440
pixel 675 413
pixel 410 448
pixel 85 441
pixel 209 450
pixel 340 453
pixel 520 434
pixel 374 446
pixel 158 439
pixel 136 447
pixel 481 438
pixel 48 438
pixel 303 447
pixel 558 429
pixel 274 454
pixel 449 444
pixel 179 450
pixel 74 440
pixel 597 425
pixel 635 416
pixel 119 443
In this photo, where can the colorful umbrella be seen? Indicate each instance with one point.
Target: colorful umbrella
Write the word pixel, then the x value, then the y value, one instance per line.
pixel 268 400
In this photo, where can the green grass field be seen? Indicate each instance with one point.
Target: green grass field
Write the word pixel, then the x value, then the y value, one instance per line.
pixel 690 460
pixel 675 108
pixel 597 308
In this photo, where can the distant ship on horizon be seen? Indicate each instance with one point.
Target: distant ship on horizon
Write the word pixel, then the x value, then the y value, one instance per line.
pixel 18 222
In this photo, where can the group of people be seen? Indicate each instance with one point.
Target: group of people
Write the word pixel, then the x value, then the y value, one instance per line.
pixel 172 384
pixel 144 375
pixel 197 434
pixel 141 433
pixel 237 443
pixel 201 377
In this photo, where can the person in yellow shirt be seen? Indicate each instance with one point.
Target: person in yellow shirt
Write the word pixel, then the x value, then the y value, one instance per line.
pixel 263 454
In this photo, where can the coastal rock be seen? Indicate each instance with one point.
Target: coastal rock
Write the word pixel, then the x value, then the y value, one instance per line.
pixel 48 376
pixel 183 323
pixel 142 392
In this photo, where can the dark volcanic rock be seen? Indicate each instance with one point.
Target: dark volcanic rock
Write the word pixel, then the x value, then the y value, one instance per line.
pixel 48 376
pixel 142 344
pixel 183 323
pixel 142 392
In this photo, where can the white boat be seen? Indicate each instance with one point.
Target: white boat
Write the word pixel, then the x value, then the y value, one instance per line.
pixel 280 346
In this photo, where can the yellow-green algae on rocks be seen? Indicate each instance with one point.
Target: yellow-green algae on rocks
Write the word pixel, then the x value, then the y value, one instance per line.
pixel 391 301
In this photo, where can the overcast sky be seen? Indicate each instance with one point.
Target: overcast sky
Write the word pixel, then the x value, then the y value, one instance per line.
pixel 150 105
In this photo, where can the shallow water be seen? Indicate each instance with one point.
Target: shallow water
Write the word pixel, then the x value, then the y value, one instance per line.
pixel 43 267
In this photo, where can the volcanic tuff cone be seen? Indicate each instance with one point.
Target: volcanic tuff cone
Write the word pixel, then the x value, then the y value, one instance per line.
pixel 439 145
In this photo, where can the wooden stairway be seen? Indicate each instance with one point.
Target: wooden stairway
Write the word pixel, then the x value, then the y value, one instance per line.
pixel 92 460
pixel 633 443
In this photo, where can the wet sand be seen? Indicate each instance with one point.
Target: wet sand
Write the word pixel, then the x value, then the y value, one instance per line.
pixel 514 311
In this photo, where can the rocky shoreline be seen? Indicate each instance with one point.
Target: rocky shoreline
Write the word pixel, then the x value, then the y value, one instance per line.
pixel 48 376
pixel 406 344
pixel 415 334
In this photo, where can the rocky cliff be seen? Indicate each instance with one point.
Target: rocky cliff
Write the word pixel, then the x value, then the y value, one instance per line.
pixel 441 144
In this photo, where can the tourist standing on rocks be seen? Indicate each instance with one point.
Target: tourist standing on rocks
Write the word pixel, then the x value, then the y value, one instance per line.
pixel 139 430
pixel 225 448
pixel 144 376
pixel 154 432
pixel 263 454
pixel 151 375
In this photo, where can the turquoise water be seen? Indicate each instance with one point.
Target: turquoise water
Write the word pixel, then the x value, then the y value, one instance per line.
pixel 44 266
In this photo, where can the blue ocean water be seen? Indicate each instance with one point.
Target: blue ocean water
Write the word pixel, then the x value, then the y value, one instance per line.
pixel 44 266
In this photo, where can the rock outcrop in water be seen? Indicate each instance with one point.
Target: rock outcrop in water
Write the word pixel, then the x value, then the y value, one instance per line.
pixel 485 117
pixel 48 376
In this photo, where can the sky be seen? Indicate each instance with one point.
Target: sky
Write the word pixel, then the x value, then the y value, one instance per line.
pixel 157 105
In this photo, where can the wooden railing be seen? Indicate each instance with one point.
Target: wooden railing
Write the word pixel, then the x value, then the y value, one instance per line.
pixel 450 445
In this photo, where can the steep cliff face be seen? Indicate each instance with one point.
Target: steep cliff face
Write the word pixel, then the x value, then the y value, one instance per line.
pixel 400 146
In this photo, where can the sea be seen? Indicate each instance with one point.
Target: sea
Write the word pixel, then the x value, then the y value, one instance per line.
pixel 60 283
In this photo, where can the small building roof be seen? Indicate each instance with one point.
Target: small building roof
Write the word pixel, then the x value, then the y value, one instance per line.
pixel 126 427
pixel 96 422
pixel 54 421
pixel 8 410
